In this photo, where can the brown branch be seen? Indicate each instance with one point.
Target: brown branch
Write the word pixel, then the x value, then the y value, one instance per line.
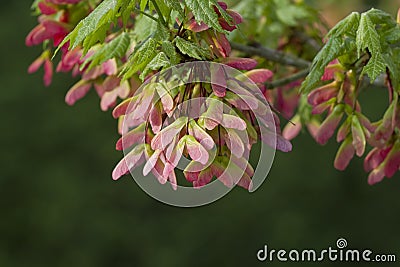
pixel 272 55
pixel 287 80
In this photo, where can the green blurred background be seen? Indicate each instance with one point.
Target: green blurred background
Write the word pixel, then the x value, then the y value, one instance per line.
pixel 60 207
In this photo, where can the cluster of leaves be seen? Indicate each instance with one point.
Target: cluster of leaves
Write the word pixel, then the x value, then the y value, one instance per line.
pixel 119 46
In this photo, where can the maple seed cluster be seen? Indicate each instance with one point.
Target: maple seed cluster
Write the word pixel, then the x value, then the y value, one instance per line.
pixel 120 48
pixel 213 140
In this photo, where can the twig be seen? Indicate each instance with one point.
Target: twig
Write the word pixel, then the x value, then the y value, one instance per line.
pixel 287 80
pixel 147 15
pixel 272 55
pixel 160 15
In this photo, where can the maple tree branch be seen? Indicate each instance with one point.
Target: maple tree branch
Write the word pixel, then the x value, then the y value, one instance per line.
pixel 287 80
pixel 272 55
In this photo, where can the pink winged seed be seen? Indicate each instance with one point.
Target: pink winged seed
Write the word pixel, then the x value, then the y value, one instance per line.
pixel 233 122
pixel 329 126
pixel 359 140
pixel 259 75
pixel 218 80
pixel 131 160
pixel 196 151
pixel 375 157
pixel 291 130
pixel 240 63
pixel 201 136
pixel 392 161
pixel 134 136
pixel 151 162
pixel 344 155
pixel 234 143
pixel 155 119
pixel 79 90
pixel 166 135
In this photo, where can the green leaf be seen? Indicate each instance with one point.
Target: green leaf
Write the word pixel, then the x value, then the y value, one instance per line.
pixel 347 26
pixel 161 32
pixel 159 61
pixel 349 55
pixel 100 16
pixel 114 49
pixel 139 59
pixel 175 5
pixel 169 49
pixel 191 49
pixel 333 49
pixel 204 12
pixel 93 28
pixel 144 28
pixel 392 35
pixel 375 67
pixel 367 36
pixel 97 37
pixel 380 17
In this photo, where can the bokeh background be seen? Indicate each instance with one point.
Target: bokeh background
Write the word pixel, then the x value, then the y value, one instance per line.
pixel 60 207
